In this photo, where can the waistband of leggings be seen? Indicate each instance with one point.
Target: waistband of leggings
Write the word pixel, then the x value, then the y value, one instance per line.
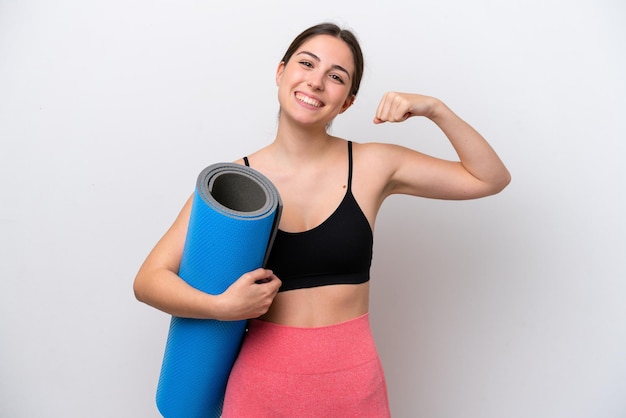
pixel 301 350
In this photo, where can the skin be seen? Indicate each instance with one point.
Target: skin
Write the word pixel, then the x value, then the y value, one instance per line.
pixel 309 167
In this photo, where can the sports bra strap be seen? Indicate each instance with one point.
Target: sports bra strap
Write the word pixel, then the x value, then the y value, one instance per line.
pixel 350 165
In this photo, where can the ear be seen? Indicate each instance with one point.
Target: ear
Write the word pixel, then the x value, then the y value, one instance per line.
pixel 279 71
pixel 349 102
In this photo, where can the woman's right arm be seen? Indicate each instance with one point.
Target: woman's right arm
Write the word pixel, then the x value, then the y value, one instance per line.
pixel 157 283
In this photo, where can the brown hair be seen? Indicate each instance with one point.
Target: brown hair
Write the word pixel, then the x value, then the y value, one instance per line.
pixel 343 34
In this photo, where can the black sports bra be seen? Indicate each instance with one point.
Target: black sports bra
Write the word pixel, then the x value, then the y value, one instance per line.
pixel 338 251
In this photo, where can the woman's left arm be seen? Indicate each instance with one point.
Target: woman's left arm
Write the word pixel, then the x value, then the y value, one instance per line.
pixel 478 173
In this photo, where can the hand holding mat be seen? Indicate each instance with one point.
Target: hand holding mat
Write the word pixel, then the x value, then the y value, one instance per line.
pixel 233 221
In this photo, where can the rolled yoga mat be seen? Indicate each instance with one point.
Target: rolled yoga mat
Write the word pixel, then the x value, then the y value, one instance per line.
pixel 233 221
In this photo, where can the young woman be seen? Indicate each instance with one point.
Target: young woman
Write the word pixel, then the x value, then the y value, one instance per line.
pixel 309 349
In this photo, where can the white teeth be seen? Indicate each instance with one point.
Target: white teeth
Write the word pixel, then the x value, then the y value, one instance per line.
pixel 308 100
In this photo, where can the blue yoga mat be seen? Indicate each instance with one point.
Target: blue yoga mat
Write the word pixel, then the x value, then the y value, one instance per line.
pixel 233 221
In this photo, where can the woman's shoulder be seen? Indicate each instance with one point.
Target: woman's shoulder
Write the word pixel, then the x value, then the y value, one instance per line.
pixel 373 146
pixel 365 146
pixel 254 155
pixel 379 152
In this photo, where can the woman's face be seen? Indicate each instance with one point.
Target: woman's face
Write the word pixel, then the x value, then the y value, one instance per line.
pixel 314 86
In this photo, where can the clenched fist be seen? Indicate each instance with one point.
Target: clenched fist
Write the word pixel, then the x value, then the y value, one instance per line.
pixel 398 107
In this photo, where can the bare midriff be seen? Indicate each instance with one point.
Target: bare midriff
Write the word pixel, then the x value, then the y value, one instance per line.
pixel 319 306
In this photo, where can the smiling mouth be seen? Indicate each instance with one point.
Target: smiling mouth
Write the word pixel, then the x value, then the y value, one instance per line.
pixel 308 100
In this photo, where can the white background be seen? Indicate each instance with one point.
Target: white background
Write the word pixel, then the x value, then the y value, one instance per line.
pixel 510 306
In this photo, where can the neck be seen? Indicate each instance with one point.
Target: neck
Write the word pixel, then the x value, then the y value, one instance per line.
pixel 301 143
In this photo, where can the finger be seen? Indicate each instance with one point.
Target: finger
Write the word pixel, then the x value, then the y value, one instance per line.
pixel 400 109
pixel 274 280
pixel 259 276
pixel 254 275
pixel 393 107
pixel 383 108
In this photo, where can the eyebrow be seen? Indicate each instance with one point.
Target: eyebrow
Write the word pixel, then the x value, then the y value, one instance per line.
pixel 316 58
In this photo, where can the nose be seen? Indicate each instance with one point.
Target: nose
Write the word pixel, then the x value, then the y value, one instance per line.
pixel 316 81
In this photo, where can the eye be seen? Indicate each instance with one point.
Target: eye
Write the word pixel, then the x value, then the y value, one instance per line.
pixel 306 64
pixel 337 78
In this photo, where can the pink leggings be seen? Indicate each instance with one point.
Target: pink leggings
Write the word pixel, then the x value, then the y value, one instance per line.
pixel 331 371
